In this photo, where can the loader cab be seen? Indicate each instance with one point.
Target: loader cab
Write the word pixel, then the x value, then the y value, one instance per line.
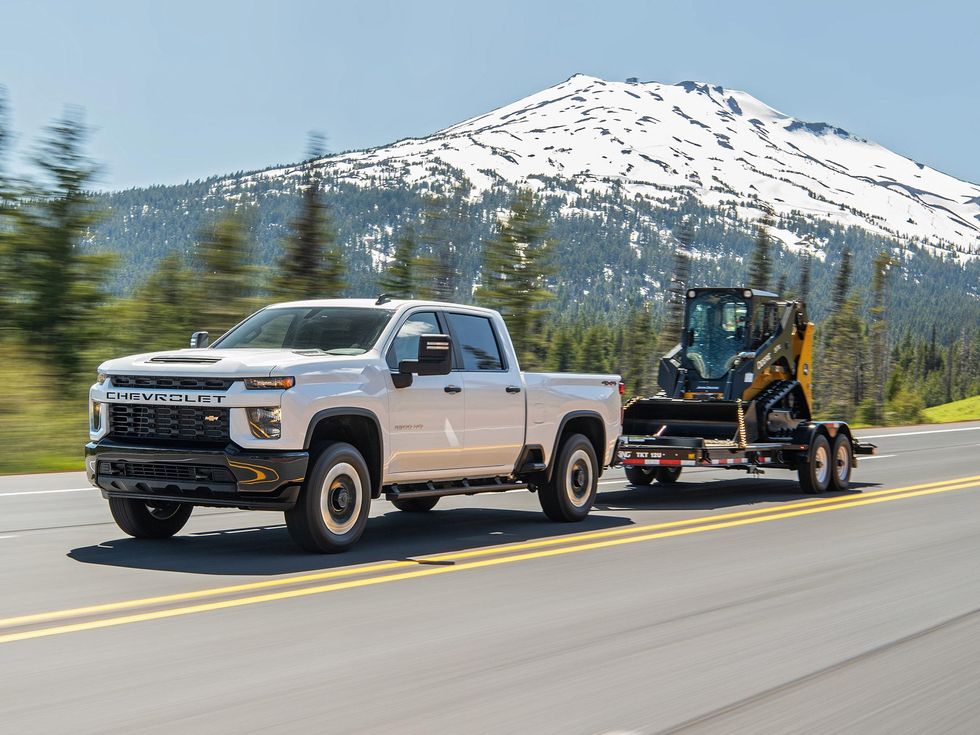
pixel 719 325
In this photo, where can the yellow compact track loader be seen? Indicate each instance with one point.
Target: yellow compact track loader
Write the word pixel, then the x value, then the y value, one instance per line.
pixel 736 393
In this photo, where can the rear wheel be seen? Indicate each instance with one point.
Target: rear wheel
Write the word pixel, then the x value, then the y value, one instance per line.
pixel 415 505
pixel 815 473
pixel 668 475
pixel 570 493
pixel 161 519
pixel 843 460
pixel 640 476
pixel 332 509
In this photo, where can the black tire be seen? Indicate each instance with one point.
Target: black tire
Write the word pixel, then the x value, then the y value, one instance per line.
pixel 640 476
pixel 668 475
pixel 140 520
pixel 842 460
pixel 416 505
pixel 333 505
pixel 816 471
pixel 570 493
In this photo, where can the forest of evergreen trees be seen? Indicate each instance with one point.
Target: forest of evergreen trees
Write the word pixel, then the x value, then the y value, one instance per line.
pixel 87 277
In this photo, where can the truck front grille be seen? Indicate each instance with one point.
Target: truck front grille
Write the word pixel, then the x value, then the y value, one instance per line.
pixel 176 382
pixel 166 471
pixel 168 423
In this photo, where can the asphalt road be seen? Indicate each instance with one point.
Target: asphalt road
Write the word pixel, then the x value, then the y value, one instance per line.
pixel 718 605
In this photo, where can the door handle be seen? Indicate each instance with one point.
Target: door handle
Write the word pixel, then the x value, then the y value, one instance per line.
pixel 513 389
pixel 453 389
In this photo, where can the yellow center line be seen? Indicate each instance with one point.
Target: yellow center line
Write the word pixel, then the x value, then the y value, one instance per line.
pixel 854 501
pixel 447 556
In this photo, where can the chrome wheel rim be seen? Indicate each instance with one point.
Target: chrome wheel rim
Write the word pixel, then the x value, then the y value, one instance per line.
pixel 341 498
pixel 821 465
pixel 843 463
pixel 578 478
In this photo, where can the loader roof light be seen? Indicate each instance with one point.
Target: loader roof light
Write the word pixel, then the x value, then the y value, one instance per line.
pixel 747 293
pixel 691 294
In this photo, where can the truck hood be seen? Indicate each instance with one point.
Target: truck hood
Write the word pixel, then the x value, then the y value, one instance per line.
pixel 232 363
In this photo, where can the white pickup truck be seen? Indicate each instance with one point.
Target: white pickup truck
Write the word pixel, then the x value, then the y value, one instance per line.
pixel 317 407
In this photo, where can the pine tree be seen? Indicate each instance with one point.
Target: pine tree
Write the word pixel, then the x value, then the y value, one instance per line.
pixel 398 279
pixel 561 353
pixel 879 355
pixel 760 268
pixel 516 265
pixel 439 267
pixel 670 335
pixel 224 254
pixel 806 268
pixel 842 284
pixel 55 286
pixel 311 265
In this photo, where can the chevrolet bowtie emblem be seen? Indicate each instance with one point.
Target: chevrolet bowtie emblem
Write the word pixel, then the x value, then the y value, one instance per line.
pixel 210 417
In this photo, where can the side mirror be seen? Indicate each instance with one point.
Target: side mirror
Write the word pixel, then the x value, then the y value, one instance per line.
pixel 435 358
pixel 199 339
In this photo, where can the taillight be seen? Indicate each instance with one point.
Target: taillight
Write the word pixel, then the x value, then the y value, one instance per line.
pixel 622 388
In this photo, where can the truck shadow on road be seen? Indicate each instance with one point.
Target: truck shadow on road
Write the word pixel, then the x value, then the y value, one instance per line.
pixel 268 550
pixel 715 495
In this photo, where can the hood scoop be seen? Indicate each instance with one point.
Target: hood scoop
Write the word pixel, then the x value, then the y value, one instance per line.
pixel 186 360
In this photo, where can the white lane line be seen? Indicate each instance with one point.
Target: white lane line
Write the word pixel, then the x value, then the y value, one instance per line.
pixel 919 433
pixel 47 492
pixel 1 537
pixel 876 456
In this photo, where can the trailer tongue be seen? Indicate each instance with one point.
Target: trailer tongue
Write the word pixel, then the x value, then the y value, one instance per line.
pixel 736 393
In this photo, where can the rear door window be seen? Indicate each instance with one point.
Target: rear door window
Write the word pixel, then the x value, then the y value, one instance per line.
pixel 477 342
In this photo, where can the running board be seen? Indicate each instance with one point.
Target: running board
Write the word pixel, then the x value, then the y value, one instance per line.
pixel 393 492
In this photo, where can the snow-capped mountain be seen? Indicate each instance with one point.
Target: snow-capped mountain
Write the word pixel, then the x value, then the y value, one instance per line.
pixel 722 146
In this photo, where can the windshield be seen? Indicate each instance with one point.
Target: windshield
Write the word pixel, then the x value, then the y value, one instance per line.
pixel 716 332
pixel 333 330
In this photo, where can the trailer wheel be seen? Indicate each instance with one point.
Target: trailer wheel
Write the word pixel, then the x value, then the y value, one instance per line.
pixel 815 473
pixel 640 476
pixel 570 493
pixel 843 460
pixel 415 505
pixel 158 520
pixel 668 475
pixel 332 509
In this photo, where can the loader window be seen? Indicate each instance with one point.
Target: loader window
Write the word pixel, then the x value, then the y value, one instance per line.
pixel 715 332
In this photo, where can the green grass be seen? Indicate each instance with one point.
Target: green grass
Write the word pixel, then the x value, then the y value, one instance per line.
pixel 966 410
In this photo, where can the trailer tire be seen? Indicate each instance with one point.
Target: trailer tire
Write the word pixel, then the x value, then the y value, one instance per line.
pixel 140 520
pixel 668 475
pixel 816 470
pixel 570 493
pixel 415 505
pixel 640 476
pixel 332 510
pixel 842 460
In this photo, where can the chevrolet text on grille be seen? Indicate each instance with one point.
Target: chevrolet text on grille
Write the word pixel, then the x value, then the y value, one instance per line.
pixel 114 395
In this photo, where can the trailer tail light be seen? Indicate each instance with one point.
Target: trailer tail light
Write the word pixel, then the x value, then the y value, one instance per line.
pixel 622 388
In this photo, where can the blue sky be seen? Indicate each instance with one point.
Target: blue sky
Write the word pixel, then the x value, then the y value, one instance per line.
pixel 182 90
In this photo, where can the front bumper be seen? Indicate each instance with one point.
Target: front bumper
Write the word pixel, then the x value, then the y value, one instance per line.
pixel 229 477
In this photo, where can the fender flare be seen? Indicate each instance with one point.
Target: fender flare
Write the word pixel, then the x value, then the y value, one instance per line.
pixel 561 429
pixel 328 413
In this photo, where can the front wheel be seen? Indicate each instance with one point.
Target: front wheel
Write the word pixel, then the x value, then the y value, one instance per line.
pixel 156 520
pixel 570 493
pixel 816 471
pixel 332 509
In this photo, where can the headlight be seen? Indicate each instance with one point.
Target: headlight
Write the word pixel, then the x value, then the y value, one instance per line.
pixel 96 416
pixel 102 377
pixel 265 423
pixel 269 383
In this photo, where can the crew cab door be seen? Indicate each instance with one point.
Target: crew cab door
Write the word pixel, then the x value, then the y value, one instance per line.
pixel 495 405
pixel 425 419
